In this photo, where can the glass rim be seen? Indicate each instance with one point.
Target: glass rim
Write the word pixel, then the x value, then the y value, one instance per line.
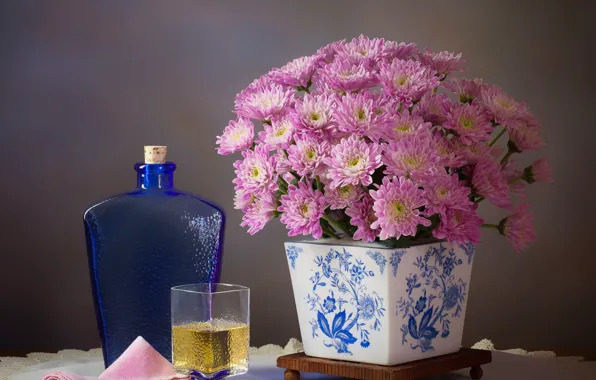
pixel 192 288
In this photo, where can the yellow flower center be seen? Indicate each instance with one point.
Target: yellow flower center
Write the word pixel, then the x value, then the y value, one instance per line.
pixel 397 210
pixel 360 114
pixel 238 134
pixel 303 209
pixel 442 191
pixel 413 161
pixel 404 127
pixel 505 102
pixel 281 131
pixel 254 172
pixel 345 191
pixel 353 162
pixel 310 154
pixel 401 80
pixel 466 123
pixel 314 116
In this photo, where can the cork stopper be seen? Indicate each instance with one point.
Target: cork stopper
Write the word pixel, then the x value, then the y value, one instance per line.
pixel 155 154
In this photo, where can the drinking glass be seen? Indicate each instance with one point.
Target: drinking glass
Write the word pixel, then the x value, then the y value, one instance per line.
pixel 210 330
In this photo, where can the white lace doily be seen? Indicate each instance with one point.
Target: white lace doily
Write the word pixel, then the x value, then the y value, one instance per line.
pixel 12 365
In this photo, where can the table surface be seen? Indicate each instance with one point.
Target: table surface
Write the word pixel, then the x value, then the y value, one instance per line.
pixel 263 367
pixel 516 364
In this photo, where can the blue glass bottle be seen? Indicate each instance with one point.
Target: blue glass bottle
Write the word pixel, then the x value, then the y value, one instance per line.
pixel 141 244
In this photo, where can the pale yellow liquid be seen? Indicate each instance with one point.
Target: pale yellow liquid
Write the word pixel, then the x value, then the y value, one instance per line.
pixel 210 347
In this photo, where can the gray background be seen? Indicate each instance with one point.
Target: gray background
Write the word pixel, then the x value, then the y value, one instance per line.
pixel 84 85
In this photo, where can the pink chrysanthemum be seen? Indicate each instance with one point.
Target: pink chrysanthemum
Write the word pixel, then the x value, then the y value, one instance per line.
pixel 243 199
pixel 459 226
pixel 302 209
pixel 343 196
pixel 407 80
pixel 298 72
pixel 518 228
pixel 443 62
pixel 539 171
pixel 362 215
pixel 525 133
pixel 396 206
pixel 256 172
pixel 513 176
pixel 264 99
pixel 393 50
pixel 470 153
pixel 282 164
pixel 345 76
pixel 308 154
pixel 260 211
pixel 434 108
pixel 448 152
pixel 329 51
pixel 314 112
pixel 353 161
pixel 469 122
pixel 357 114
pixel 501 107
pixel 402 124
pixel 446 192
pixel 413 157
pixel 362 50
pixel 238 135
pixel 278 134
pixel 517 188
pixel 466 89
pixel 489 181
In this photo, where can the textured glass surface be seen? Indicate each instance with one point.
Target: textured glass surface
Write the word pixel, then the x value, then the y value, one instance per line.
pixel 140 245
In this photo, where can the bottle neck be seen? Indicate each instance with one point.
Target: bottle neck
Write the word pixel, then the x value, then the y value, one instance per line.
pixel 155 176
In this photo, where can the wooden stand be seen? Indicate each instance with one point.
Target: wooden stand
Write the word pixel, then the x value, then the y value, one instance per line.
pixel 465 358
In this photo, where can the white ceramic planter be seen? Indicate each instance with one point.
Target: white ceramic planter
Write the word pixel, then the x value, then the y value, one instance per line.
pixel 372 304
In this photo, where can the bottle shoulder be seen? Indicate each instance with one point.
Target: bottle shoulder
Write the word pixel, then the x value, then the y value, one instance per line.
pixel 169 199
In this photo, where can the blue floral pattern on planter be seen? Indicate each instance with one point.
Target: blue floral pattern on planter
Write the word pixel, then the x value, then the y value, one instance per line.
pixel 395 260
pixel 382 261
pixel 379 259
pixel 468 250
pixel 292 252
pixel 340 280
pixel 441 298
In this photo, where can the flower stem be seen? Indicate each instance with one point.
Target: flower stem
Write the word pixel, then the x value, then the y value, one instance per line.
pixel 497 137
pixel 335 224
pixel 479 199
pixel 506 157
pixel 319 184
pixel 513 180
pixel 487 225
pixel 327 231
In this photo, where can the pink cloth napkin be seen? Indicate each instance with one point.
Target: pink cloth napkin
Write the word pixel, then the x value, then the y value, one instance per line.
pixel 140 361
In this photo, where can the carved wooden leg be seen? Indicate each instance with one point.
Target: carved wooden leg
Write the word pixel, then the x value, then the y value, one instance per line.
pixel 476 373
pixel 291 374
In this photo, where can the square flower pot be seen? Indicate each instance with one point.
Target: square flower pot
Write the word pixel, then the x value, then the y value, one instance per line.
pixel 372 304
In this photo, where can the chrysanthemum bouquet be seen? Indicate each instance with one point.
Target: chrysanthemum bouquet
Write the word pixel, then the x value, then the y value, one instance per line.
pixel 376 140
